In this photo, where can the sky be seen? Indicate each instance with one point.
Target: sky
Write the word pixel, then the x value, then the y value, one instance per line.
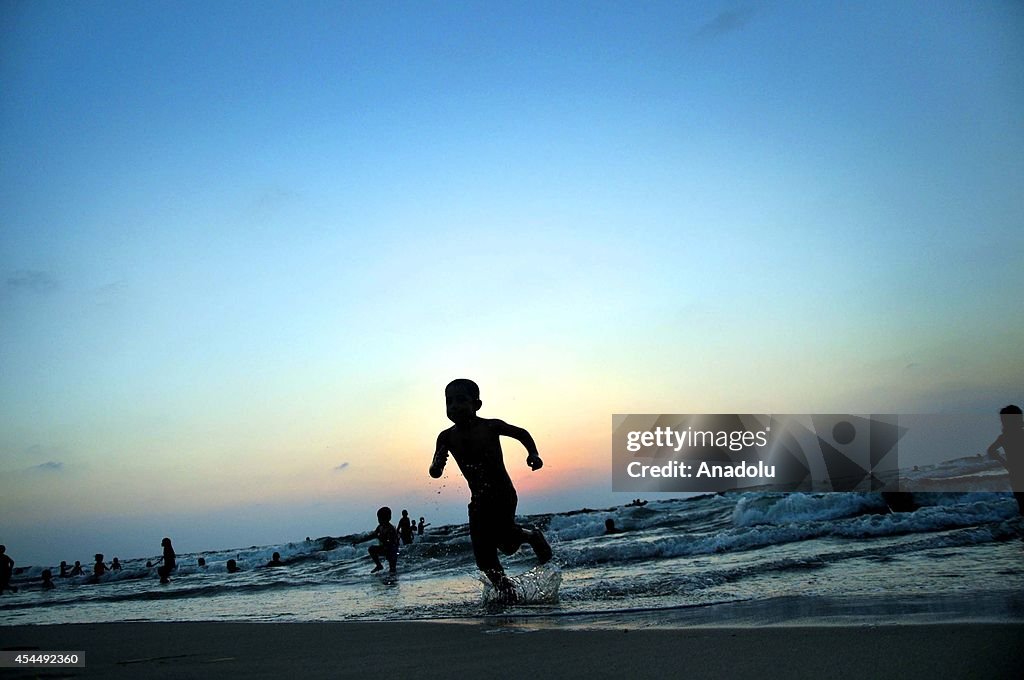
pixel 245 245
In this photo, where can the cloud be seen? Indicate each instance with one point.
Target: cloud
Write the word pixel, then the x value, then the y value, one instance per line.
pixel 111 294
pixel 727 21
pixel 342 466
pixel 50 466
pixel 32 281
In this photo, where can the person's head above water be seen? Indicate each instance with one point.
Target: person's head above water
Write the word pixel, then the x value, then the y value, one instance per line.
pixel 384 515
pixel 1011 416
pixel 166 542
pixel 462 397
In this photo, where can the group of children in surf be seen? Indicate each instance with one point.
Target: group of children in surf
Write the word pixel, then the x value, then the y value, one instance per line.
pixel 98 569
pixel 389 537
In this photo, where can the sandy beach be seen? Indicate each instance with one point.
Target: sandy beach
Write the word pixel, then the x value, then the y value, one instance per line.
pixel 506 649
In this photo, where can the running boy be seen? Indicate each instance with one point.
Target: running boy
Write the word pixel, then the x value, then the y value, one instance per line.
pixel 474 443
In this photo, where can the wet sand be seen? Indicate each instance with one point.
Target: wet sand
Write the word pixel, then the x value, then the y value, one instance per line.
pixel 511 650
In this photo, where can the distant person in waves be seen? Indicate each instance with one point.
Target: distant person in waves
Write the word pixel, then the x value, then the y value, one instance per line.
pixel 405 528
pixel 64 569
pixel 610 528
pixel 421 526
pixel 115 565
pixel 6 571
pixel 387 536
pixel 275 560
pixel 77 569
pixel 232 567
pixel 98 569
pixel 474 443
pixel 169 561
pixel 48 580
pixel 1011 441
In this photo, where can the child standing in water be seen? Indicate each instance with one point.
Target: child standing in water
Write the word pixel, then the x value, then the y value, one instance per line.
pixel 6 571
pixel 169 559
pixel 98 569
pixel 473 442
pixel 1011 441
pixel 388 537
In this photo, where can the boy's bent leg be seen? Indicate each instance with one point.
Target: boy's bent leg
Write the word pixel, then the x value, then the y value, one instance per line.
pixel 375 551
pixel 535 537
pixel 540 546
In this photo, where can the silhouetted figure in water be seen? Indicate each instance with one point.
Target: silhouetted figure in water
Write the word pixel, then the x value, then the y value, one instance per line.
pixel 115 565
pixel 98 569
pixel 1011 441
pixel 77 569
pixel 405 528
pixel 6 571
pixel 169 561
pixel 275 560
pixel 48 580
pixel 232 567
pixel 474 443
pixel 63 569
pixel 387 536
pixel 201 562
pixel 421 526
pixel 610 528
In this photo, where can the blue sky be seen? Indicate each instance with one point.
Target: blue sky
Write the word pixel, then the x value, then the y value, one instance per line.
pixel 243 244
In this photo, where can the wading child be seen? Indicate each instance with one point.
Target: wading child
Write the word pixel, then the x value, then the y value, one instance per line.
pixel 387 534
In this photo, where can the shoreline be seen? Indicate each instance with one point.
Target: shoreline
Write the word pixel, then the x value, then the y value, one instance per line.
pixel 509 649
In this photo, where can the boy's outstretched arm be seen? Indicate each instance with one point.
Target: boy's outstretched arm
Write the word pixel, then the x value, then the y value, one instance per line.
pixel 440 456
pixel 369 537
pixel 524 438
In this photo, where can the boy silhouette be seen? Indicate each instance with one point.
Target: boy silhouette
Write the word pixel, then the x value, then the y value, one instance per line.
pixel 1011 441
pixel 474 443
pixel 387 537
pixel 405 528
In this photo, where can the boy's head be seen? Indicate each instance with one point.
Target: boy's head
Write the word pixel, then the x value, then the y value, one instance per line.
pixel 384 515
pixel 405 513
pixel 1011 416
pixel 462 397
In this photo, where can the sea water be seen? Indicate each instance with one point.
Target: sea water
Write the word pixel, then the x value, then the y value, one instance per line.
pixel 728 559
